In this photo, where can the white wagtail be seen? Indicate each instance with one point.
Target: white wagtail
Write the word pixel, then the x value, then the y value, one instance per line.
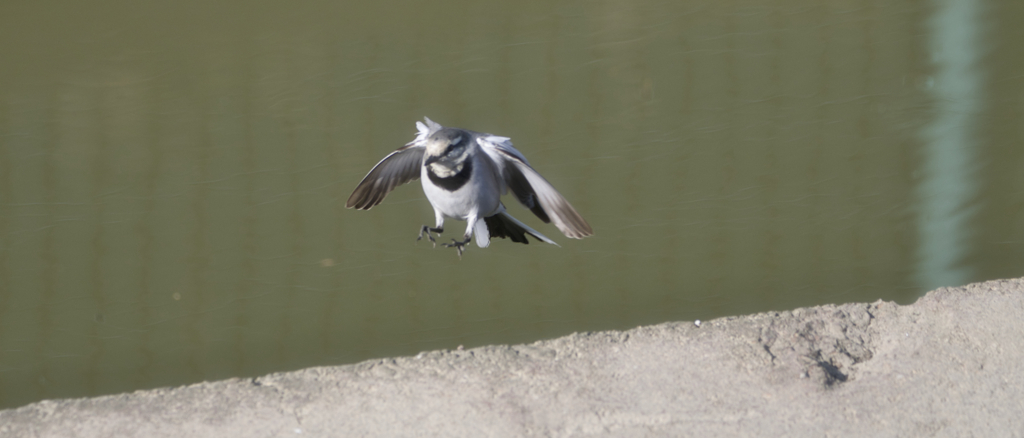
pixel 464 174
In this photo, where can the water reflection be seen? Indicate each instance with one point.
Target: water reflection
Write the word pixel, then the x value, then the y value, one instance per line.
pixel 173 179
pixel 948 185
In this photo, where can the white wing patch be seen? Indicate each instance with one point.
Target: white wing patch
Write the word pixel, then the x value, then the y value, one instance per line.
pixel 493 143
pixel 497 139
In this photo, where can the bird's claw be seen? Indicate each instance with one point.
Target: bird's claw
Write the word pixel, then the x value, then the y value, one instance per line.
pixel 459 246
pixel 427 230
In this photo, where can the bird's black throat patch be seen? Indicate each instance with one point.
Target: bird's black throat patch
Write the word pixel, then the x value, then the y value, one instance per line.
pixel 453 182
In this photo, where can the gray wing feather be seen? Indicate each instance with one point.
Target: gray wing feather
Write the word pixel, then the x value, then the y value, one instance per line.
pixel 533 191
pixel 399 167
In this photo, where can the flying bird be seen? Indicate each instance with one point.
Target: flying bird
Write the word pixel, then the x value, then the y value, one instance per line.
pixel 464 174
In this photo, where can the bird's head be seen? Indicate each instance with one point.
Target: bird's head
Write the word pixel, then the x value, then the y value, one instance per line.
pixel 446 151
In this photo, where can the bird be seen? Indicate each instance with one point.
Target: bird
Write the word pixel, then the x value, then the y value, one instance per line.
pixel 464 174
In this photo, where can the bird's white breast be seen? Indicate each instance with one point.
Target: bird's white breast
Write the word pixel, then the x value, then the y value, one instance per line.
pixel 479 196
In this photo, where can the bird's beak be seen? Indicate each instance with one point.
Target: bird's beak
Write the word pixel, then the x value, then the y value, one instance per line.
pixel 431 159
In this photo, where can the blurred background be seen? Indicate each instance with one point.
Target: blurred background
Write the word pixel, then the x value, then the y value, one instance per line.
pixel 173 174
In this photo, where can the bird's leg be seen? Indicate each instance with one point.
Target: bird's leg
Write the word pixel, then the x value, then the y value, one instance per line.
pixel 466 238
pixel 438 228
pixel 459 246
pixel 429 230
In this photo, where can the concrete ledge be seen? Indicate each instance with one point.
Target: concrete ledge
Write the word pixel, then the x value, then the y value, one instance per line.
pixel 951 364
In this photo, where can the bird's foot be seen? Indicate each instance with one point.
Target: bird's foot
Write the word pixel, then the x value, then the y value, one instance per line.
pixel 459 246
pixel 428 230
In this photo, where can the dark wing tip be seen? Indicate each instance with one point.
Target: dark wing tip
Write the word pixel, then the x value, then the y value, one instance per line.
pixel 363 197
pixel 352 201
pixel 399 167
pixel 581 229
pixel 574 226
pixel 539 211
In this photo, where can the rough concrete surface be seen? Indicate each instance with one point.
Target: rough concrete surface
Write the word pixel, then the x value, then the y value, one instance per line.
pixel 951 364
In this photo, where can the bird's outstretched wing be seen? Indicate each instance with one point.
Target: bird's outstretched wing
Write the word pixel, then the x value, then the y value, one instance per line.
pixel 399 167
pixel 532 190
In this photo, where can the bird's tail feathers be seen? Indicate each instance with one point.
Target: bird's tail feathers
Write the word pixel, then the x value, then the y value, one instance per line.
pixel 504 225
pixel 481 234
